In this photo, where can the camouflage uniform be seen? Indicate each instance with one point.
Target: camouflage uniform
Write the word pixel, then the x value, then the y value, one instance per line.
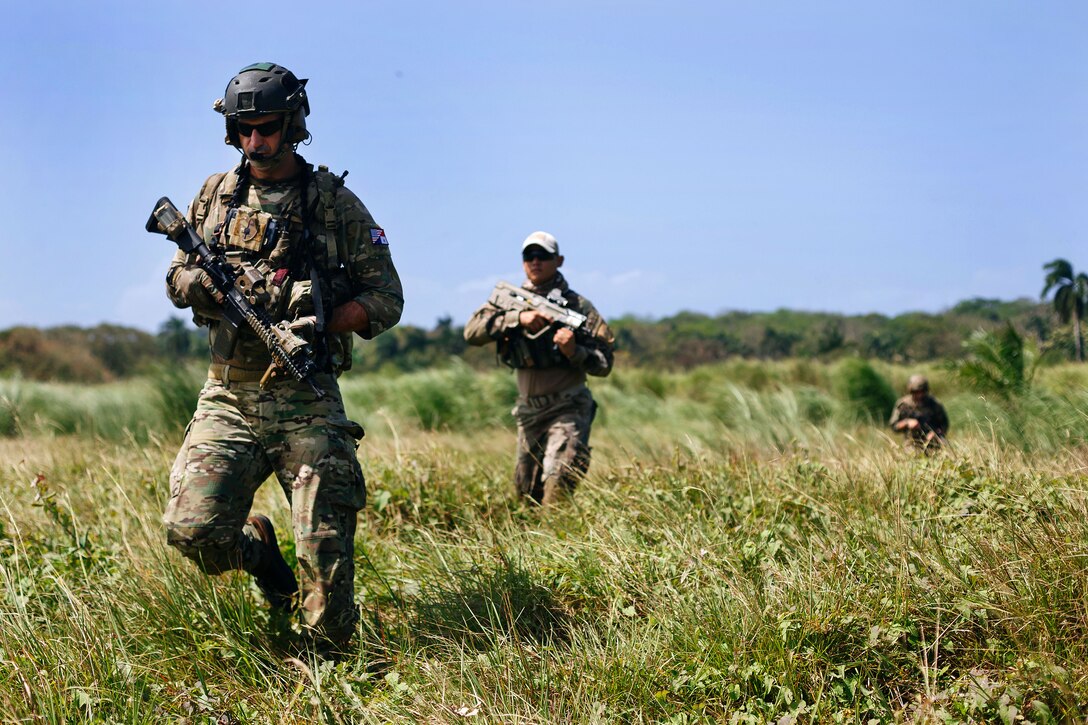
pixel 241 433
pixel 555 409
pixel 930 415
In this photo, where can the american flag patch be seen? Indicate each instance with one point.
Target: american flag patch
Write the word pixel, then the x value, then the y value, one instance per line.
pixel 377 236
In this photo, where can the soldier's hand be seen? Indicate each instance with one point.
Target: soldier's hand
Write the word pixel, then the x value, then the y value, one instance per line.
pixel 304 327
pixel 195 287
pixel 206 283
pixel 911 423
pixel 533 320
pixel 564 340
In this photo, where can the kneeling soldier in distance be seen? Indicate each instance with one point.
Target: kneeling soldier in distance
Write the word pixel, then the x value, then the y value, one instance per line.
pixel 919 416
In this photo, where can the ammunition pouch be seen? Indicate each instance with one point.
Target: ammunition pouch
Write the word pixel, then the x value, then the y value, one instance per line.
pixel 248 230
pixel 520 352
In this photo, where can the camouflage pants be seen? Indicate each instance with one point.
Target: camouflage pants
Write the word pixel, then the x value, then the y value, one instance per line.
pixel 239 435
pixel 553 446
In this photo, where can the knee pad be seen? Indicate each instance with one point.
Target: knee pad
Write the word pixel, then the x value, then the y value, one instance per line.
pixel 213 548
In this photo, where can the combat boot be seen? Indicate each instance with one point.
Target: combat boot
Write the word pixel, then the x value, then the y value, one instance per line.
pixel 275 579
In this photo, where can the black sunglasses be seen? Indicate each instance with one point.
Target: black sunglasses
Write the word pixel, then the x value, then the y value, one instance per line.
pixel 537 254
pixel 266 129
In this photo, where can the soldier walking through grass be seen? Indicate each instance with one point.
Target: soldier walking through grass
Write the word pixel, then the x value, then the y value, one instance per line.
pixel 327 273
pixel 555 409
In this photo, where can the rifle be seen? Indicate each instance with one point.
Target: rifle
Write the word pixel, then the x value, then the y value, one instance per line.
pixel 506 296
pixel 244 292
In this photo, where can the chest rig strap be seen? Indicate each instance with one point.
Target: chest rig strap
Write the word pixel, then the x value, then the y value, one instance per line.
pixel 207 193
pixel 327 184
pixel 304 258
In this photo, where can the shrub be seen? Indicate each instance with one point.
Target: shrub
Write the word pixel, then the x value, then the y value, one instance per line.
pixel 864 392
pixel 1000 363
pixel 176 388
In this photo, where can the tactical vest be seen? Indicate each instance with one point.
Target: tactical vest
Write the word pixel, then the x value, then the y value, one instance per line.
pixel 520 352
pixel 279 249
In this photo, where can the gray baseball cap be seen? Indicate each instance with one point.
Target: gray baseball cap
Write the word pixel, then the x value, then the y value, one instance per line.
pixel 543 240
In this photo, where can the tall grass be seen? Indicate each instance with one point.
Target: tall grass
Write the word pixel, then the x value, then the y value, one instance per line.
pixel 775 404
pixel 450 397
pixel 841 581
pixel 743 550
pixel 159 403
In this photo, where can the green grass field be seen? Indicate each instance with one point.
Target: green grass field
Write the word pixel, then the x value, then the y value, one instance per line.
pixel 751 545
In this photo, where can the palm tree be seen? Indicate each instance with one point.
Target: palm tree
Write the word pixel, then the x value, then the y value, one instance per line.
pixel 1070 296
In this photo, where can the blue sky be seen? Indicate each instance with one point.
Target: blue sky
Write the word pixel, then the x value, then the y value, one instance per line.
pixel 841 156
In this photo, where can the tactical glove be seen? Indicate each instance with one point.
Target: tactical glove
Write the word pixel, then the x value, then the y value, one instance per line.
pixel 194 287
pixel 304 327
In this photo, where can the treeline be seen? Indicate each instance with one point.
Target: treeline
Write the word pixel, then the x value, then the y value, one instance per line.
pixel 689 339
pixel 69 353
pixel 681 341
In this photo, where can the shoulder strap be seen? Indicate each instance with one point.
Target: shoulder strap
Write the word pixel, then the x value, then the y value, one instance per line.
pixel 230 183
pixel 207 193
pixel 327 185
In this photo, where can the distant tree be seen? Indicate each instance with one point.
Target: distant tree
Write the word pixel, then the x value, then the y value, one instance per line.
pixel 1039 325
pixel 1070 297
pixel 174 338
pixel 446 339
pixel 35 355
pixel 821 338
pixel 984 307
pixel 880 344
pixel 777 344
pixel 123 350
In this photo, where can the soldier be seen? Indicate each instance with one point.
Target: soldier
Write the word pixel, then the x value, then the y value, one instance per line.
pixel 330 274
pixel 554 409
pixel 919 416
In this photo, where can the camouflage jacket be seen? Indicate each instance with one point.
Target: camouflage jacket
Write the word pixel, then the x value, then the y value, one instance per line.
pixel 544 370
pixel 930 414
pixel 350 250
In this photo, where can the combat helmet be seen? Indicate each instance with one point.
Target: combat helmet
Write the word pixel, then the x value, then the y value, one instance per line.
pixel 266 88
pixel 918 384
